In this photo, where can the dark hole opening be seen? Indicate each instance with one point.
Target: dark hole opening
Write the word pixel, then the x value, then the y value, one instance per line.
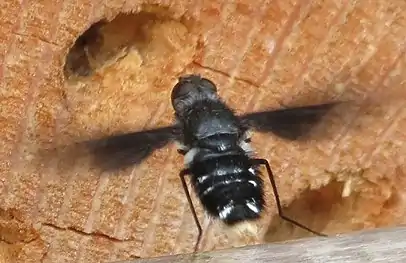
pixel 337 208
pixel 105 42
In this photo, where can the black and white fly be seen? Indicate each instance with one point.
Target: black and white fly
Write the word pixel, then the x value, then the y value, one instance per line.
pixel 216 148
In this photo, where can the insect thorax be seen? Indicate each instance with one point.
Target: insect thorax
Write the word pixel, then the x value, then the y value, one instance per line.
pixel 206 118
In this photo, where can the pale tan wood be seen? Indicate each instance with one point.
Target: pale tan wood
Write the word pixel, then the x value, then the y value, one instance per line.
pixel 380 245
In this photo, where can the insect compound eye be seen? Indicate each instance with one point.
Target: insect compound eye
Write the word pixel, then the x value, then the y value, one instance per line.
pixel 192 83
pixel 184 87
pixel 190 87
pixel 181 91
pixel 206 83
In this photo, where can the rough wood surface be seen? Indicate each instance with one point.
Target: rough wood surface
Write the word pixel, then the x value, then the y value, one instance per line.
pixel 381 245
pixel 262 54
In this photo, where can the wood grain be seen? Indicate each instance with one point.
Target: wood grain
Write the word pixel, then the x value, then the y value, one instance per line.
pixel 261 54
pixel 379 245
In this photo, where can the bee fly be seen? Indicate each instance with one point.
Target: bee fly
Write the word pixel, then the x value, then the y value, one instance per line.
pixel 216 149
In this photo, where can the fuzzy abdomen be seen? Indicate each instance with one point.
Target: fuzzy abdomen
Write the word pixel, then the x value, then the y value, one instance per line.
pixel 228 187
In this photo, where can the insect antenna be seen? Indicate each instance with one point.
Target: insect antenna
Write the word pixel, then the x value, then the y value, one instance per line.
pixel 277 200
pixel 182 175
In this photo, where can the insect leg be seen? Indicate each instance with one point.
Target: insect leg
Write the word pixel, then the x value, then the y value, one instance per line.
pixel 276 194
pixel 182 175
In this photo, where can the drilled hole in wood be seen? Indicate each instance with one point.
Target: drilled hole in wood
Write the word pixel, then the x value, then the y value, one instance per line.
pixel 313 208
pixel 337 208
pixel 146 36
pixel 125 67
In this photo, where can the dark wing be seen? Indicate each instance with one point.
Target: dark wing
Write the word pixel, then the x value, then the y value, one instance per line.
pixel 121 151
pixel 289 123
